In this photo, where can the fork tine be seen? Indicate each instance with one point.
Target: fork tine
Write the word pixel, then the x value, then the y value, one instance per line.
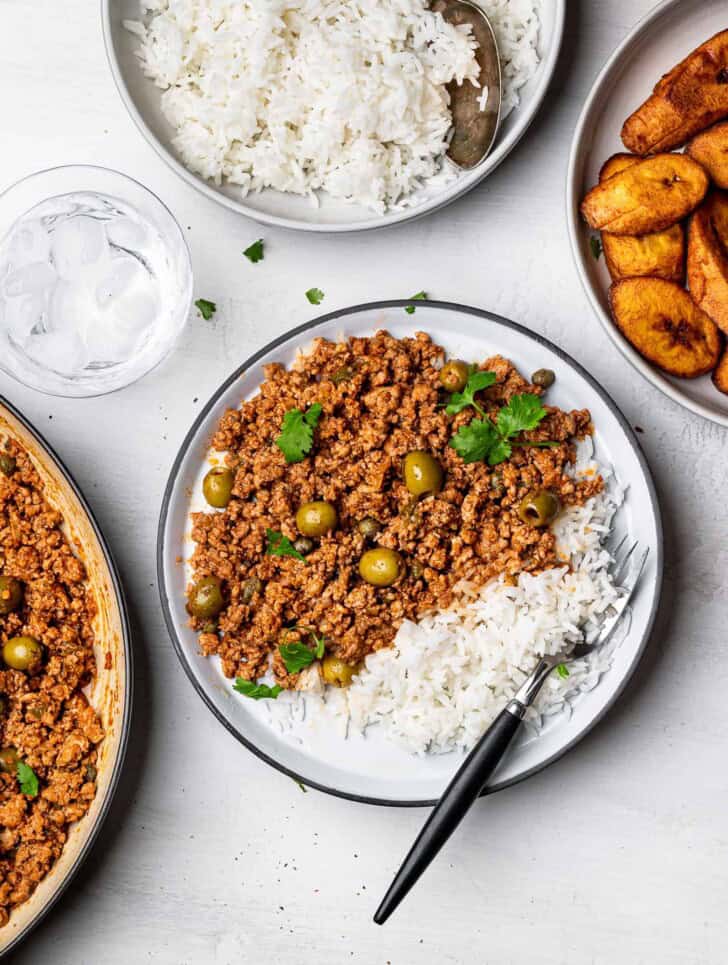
pixel 621 567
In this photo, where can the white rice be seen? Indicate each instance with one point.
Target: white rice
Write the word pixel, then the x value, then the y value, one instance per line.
pixel 309 95
pixel 449 675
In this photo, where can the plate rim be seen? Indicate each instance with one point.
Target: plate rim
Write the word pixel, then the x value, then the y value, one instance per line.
pixel 294 333
pixel 575 226
pixel 457 189
pixel 128 697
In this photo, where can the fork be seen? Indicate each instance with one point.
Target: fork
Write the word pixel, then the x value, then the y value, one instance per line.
pixel 483 759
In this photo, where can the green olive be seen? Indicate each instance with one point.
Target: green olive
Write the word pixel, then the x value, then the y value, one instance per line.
pixel 217 486
pixel 23 653
pixel 454 375
pixel 7 464
pixel 316 519
pixel 11 594
pixel 250 587
pixel 205 599
pixel 337 673
pixel 543 377
pixel 539 508
pixel 9 758
pixel 422 473
pixel 380 566
pixel 369 527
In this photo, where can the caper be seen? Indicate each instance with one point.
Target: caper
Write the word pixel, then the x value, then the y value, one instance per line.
pixel 417 570
pixel 210 626
pixel 303 545
pixel 454 375
pixel 369 527
pixel 316 518
pixel 7 464
pixel 217 486
pixel 205 598
pixel 90 772
pixel 380 566
pixel 23 653
pixel 9 758
pixel 11 594
pixel 38 710
pixel 544 378
pixel 250 587
pixel 344 374
pixel 337 673
pixel 539 508
pixel 422 473
pixel 496 482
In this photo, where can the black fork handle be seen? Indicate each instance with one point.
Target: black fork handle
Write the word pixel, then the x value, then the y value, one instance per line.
pixel 452 807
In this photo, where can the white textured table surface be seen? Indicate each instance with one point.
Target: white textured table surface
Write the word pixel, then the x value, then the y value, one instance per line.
pixel 618 853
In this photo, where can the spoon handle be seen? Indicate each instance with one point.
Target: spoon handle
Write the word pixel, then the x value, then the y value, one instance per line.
pixel 453 805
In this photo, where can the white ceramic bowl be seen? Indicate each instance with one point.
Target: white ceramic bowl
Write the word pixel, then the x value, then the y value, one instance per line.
pixel 142 100
pixel 659 41
pixel 373 770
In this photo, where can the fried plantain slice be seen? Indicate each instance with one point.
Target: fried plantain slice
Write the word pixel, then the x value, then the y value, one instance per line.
pixel 665 325
pixel 720 374
pixel 661 254
pixel 689 98
pixel 711 150
pixel 708 258
pixel 649 196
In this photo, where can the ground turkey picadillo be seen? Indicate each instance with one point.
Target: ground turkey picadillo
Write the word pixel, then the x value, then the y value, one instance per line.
pixel 46 722
pixel 381 399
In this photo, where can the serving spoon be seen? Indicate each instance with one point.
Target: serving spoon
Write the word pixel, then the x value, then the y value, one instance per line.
pixel 470 779
pixel 474 130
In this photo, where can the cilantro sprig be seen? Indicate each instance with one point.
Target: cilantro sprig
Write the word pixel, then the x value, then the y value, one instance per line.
pixel 297 656
pixel 481 439
pixel 254 252
pixel 419 297
pixel 296 438
pixel 279 545
pixel 205 308
pixel 27 779
pixel 249 688
pixel 477 381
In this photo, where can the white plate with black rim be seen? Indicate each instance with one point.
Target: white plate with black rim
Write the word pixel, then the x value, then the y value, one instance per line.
pixel 659 41
pixel 372 769
pixel 142 100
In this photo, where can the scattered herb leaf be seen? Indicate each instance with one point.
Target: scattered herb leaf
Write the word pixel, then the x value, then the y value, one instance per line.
pixel 254 252
pixel 477 381
pixel 596 247
pixel 315 296
pixel 419 297
pixel 562 670
pixel 280 545
pixel 28 780
pixel 205 308
pixel 296 438
pixel 302 786
pixel 297 656
pixel 482 439
pixel 249 688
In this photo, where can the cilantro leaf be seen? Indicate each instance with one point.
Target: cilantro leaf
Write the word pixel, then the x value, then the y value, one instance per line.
pixel 205 308
pixel 249 688
pixel 501 451
pixel 296 438
pixel 315 296
pixel 475 441
pixel 563 671
pixel 419 297
pixel 28 780
pixel 280 545
pixel 523 412
pixel 254 252
pixel 297 656
pixel 595 245
pixel 461 400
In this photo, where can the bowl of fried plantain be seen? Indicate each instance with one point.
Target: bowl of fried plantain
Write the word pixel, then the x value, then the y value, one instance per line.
pixel 708 258
pixel 710 149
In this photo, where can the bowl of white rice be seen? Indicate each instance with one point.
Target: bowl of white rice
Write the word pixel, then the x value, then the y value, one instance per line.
pixel 318 114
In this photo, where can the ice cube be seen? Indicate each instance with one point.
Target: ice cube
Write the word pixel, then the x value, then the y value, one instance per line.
pixel 20 315
pixel 37 277
pixel 30 242
pixel 71 309
pixel 58 352
pixel 79 247
pixel 126 233
pixel 124 275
